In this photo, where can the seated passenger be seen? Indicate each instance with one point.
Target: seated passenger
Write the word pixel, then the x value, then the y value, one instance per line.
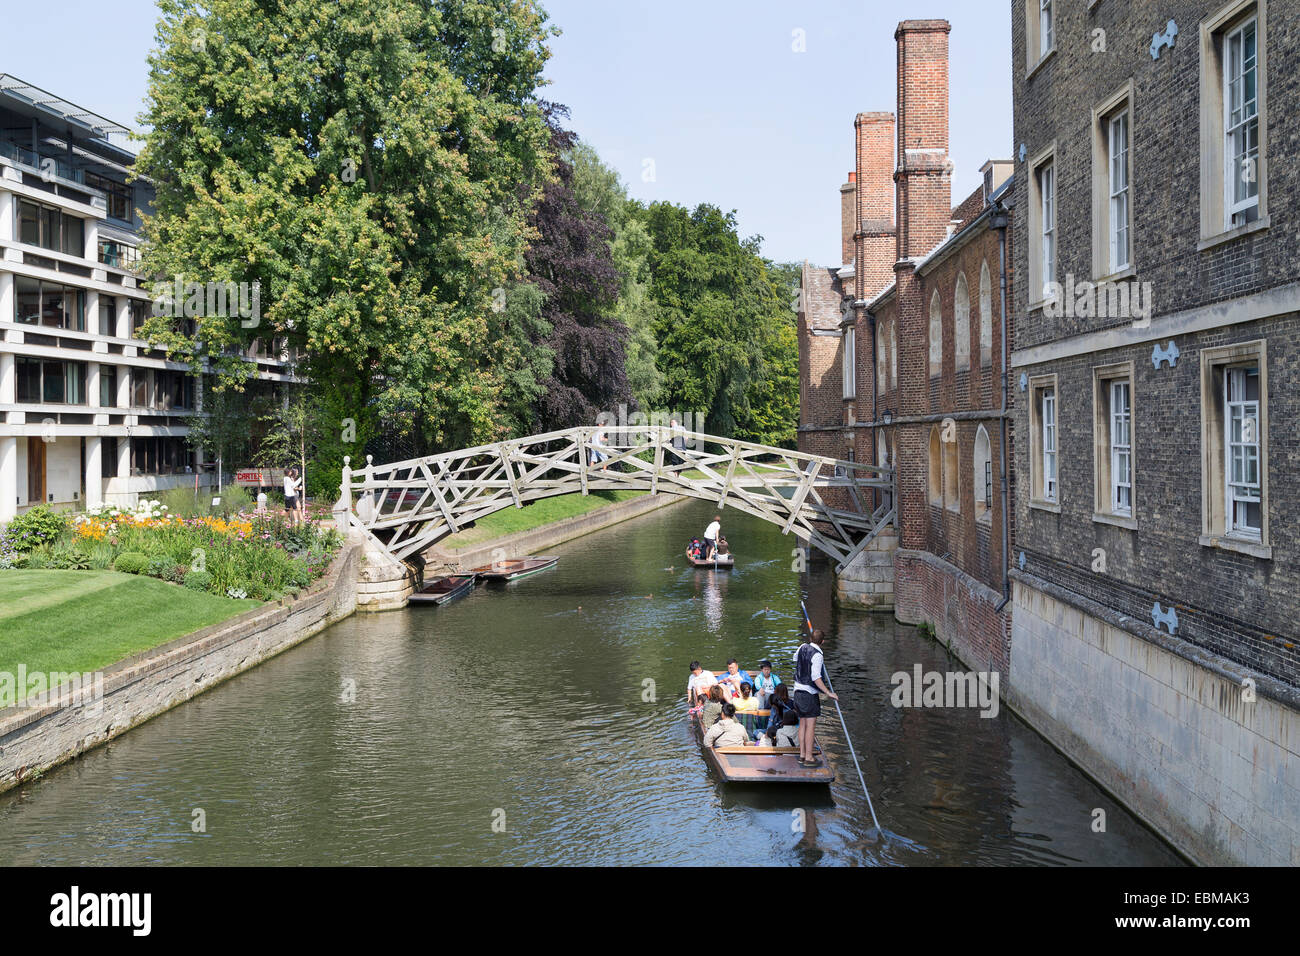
pixel 778 704
pixel 713 707
pixel 699 683
pixel 764 683
pixel 734 677
pixel 767 738
pixel 787 735
pixel 727 732
pixel 746 701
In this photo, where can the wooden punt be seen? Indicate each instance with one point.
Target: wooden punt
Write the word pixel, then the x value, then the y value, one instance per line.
pixel 515 568
pixel 444 589
pixel 724 561
pixel 763 764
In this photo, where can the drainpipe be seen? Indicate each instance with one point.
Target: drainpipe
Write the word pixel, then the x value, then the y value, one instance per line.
pixel 998 221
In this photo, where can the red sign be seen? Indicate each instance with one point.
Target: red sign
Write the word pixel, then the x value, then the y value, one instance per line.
pixel 259 477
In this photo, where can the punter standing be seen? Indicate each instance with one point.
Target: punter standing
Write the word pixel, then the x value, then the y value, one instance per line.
pixel 809 670
pixel 711 535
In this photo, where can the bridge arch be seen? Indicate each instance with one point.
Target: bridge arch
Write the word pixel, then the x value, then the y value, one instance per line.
pixel 408 506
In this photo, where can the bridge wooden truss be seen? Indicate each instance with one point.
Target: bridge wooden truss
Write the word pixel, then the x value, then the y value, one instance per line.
pixel 408 506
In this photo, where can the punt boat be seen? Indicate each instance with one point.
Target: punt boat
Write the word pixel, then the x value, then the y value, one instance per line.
pixel 515 568
pixel 725 559
pixel 752 764
pixel 444 589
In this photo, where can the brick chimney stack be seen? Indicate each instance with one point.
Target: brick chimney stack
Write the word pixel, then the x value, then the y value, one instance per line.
pixel 875 215
pixel 848 216
pixel 924 176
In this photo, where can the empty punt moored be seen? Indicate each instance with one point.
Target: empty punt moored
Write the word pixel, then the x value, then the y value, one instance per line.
pixel 444 589
pixel 515 568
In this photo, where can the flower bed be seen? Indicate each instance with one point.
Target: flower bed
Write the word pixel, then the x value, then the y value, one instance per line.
pixel 260 556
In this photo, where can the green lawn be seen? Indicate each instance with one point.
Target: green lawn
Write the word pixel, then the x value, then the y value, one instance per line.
pixel 533 515
pixel 87 620
pixel 538 513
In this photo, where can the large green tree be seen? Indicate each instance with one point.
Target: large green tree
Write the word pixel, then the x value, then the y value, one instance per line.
pixel 372 164
pixel 725 335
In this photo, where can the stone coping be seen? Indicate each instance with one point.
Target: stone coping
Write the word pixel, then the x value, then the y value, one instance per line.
pixel 140 665
pixel 1270 687
pixel 976 586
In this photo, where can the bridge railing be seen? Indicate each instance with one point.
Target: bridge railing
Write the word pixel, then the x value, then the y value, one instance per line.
pixel 408 505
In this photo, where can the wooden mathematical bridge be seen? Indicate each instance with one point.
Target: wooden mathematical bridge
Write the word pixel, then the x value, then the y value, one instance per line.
pixel 406 507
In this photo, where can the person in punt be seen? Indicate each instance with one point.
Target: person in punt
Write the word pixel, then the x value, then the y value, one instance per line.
pixel 809 662
pixel 787 735
pixel 699 683
pixel 746 701
pixel 727 732
pixel 712 706
pixel 777 705
pixel 765 682
pixel 734 678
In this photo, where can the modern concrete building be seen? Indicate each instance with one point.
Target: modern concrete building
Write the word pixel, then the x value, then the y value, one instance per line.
pixel 87 412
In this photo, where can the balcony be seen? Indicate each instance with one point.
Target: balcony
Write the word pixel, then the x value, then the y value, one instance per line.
pixel 33 161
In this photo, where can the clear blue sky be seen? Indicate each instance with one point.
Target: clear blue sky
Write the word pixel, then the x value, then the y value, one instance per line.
pixel 710 90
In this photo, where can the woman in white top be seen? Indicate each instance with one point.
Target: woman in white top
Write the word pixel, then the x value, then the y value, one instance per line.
pixel 292 500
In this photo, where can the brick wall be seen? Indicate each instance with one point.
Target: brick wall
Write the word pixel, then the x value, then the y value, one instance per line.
pixel 1241 606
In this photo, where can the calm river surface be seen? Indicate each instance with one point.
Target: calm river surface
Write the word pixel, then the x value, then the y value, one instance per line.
pixel 510 728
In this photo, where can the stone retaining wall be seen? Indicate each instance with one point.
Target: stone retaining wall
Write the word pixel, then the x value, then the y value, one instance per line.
pixel 1166 726
pixel 34 739
pixel 868 580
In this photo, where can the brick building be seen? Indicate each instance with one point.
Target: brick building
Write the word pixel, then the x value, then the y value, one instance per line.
pixel 921 317
pixel 1157 592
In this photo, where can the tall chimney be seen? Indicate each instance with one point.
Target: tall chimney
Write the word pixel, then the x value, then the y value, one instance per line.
pixel 848 218
pixel 924 175
pixel 875 159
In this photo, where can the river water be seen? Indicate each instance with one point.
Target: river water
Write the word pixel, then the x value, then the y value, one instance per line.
pixel 542 722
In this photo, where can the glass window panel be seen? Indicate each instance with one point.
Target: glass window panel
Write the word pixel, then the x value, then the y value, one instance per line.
pixel 52 388
pixel 108 385
pixel 27 300
pixel 29 226
pixel 74 236
pixel 29 379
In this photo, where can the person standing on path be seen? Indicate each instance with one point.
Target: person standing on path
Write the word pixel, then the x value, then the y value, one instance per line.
pixel 291 498
pixel 809 664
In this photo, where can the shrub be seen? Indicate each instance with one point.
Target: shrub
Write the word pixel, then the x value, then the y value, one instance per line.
pixel 234 499
pixel 69 559
pixel 131 562
pixel 101 555
pixel 175 574
pixel 38 526
pixel 9 555
pixel 158 565
pixel 184 502
pixel 198 580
